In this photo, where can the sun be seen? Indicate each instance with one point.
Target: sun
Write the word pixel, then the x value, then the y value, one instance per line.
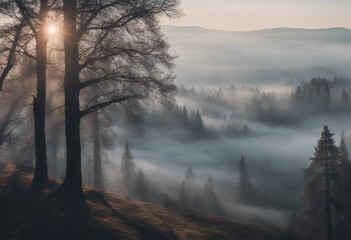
pixel 52 29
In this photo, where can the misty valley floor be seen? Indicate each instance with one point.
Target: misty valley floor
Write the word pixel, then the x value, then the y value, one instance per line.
pixel 103 215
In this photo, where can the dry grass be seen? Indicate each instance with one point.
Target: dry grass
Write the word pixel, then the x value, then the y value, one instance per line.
pixel 50 215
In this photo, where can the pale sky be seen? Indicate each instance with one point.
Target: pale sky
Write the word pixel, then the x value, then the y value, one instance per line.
pixel 259 14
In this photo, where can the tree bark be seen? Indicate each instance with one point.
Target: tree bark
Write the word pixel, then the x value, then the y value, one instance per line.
pixel 98 178
pixel 41 169
pixel 72 184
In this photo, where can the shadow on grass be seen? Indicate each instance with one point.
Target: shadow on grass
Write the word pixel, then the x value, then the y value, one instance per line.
pixel 146 230
pixel 28 215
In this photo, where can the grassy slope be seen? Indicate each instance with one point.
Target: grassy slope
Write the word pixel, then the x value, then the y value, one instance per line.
pixel 50 215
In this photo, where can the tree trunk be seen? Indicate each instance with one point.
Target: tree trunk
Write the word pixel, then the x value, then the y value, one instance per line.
pixel 73 179
pixel 41 169
pixel 54 155
pixel 98 178
pixel 327 198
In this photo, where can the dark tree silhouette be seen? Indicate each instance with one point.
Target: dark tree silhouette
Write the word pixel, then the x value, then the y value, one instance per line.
pixel 324 185
pixel 9 48
pixel 34 17
pixel 344 99
pixel 8 123
pixel 98 177
pixel 185 192
pixel 344 154
pixel 127 168
pixel 210 198
pixel 125 56
pixel 342 229
pixel 244 191
pixel 185 117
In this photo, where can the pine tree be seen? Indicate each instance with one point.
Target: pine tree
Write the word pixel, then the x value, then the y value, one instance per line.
pixel 344 98
pixel 185 118
pixel 244 189
pixel 210 198
pixel 344 154
pixel 343 215
pixel 198 125
pixel 127 167
pixel 184 196
pixel 324 186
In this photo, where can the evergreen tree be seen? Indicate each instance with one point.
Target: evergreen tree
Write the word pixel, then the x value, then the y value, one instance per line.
pixel 344 98
pixel 210 198
pixel 127 168
pixel 185 118
pixel 184 196
pixel 343 215
pixel 344 154
pixel 323 187
pixel 198 125
pixel 244 189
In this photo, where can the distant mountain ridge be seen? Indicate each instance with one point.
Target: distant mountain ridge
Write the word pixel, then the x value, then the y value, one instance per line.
pixel 322 34
pixel 170 27
pixel 208 57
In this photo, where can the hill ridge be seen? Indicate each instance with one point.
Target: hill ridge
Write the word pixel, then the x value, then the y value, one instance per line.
pixel 103 215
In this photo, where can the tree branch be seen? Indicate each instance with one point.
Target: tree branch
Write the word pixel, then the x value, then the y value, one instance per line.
pixel 12 57
pixel 26 14
pixel 104 104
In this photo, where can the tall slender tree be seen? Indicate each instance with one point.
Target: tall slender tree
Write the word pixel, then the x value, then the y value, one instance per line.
pixel 244 191
pixel 324 184
pixel 33 15
pixel 125 56
pixel 127 168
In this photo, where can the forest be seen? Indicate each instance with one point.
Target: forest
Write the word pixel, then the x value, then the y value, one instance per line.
pixel 97 120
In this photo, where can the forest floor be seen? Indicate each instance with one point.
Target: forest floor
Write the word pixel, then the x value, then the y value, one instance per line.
pixel 103 215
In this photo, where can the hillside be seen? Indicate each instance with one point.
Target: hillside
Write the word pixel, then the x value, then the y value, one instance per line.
pixel 50 215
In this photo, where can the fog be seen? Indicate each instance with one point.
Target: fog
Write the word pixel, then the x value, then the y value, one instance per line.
pixel 210 57
pixel 264 95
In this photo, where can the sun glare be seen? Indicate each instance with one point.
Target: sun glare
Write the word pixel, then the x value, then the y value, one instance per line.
pixel 52 29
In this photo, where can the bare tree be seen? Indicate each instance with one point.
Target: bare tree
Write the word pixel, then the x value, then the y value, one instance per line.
pixel 8 124
pixel 33 15
pixel 11 36
pixel 120 47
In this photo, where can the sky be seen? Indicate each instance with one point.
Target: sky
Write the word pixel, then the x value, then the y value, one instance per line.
pixel 245 15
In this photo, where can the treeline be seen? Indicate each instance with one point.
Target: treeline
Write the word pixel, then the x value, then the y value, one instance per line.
pixel 317 97
pixel 191 123
pixel 192 191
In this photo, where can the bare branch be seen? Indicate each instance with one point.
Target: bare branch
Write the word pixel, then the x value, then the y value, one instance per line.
pixel 105 104
pixel 11 57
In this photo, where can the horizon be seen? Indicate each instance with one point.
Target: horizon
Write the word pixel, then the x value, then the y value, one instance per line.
pixel 253 30
pixel 254 14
